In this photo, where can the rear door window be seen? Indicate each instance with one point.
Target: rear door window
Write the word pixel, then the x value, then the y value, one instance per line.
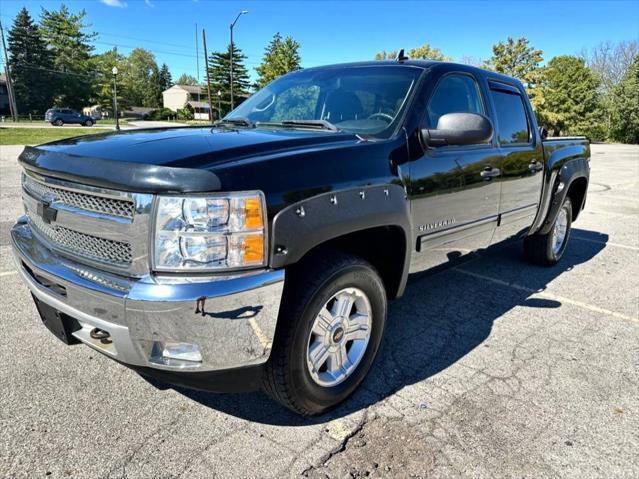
pixel 512 120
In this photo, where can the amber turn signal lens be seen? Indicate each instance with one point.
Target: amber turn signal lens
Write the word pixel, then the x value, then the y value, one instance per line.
pixel 253 209
pixel 253 249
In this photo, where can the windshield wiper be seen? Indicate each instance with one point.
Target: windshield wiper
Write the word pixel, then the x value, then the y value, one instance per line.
pixel 237 120
pixel 314 124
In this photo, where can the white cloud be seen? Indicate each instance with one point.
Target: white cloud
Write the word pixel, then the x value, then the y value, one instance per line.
pixel 114 3
pixel 149 3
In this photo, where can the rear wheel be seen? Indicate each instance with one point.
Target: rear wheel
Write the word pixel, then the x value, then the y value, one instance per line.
pixel 88 123
pixel 547 249
pixel 329 331
pixel 58 122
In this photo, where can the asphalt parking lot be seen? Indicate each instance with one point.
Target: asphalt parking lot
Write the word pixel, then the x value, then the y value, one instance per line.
pixel 492 369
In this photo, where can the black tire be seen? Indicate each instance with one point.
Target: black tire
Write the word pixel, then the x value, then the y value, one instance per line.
pixel 58 122
pixel 539 248
pixel 88 123
pixel 308 288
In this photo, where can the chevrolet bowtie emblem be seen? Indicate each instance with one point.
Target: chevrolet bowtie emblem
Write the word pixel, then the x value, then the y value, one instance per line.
pixel 47 212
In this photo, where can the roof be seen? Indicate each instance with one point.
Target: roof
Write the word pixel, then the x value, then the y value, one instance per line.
pixel 198 104
pixel 424 64
pixel 187 88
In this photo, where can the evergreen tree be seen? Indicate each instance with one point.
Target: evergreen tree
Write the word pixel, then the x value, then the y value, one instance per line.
pixel 625 106
pixel 31 65
pixel 219 66
pixel 166 81
pixel 280 57
pixel 519 60
pixel 186 79
pixel 71 48
pixel 570 101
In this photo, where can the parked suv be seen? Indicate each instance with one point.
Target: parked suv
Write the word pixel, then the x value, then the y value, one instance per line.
pixel 60 116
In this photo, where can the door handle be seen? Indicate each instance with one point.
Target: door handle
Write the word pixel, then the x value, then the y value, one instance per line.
pixel 488 173
pixel 535 166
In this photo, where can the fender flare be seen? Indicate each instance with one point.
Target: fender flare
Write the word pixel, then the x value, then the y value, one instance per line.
pixel 306 224
pixel 565 175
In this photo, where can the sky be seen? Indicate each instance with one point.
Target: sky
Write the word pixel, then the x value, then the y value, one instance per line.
pixel 342 31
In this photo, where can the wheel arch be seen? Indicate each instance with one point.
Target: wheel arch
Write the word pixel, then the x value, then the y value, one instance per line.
pixel 371 222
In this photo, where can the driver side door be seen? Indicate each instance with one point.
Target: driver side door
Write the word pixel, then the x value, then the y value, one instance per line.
pixel 454 203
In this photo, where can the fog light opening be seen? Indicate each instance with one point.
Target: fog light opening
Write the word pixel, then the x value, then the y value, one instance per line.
pixel 176 354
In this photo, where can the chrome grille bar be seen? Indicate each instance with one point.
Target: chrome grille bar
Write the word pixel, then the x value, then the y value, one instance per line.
pixel 92 247
pixel 89 202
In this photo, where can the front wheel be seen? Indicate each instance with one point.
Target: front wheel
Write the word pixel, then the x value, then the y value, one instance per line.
pixel 547 249
pixel 58 122
pixel 88 123
pixel 330 329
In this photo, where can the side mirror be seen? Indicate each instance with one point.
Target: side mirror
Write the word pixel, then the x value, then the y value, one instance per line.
pixel 459 129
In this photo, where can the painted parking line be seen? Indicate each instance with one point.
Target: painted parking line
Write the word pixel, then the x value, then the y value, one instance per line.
pixel 7 273
pixel 607 243
pixel 546 295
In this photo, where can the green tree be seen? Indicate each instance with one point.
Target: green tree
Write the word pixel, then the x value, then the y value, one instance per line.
pixel 425 52
pixel 186 79
pixel 31 65
pixel 140 79
pixel 384 55
pixel 625 106
pixel 518 59
pixel 71 46
pixel 570 99
pixel 103 92
pixel 219 66
pixel 280 57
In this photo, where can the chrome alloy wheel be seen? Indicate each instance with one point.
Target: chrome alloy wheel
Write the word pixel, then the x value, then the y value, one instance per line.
pixel 559 231
pixel 339 337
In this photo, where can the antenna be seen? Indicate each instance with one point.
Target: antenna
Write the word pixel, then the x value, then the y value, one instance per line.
pixel 401 57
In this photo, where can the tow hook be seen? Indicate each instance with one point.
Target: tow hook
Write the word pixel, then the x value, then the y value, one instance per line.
pixel 103 336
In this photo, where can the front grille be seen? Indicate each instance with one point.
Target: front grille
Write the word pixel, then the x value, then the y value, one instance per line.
pixel 83 244
pixel 83 201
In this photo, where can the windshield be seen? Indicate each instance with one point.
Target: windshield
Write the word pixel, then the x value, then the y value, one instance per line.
pixel 364 100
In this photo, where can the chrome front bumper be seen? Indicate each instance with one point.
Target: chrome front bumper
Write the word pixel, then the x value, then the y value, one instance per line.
pixel 235 330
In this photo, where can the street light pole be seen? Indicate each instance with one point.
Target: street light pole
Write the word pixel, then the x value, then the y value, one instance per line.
pixel 115 98
pixel 243 12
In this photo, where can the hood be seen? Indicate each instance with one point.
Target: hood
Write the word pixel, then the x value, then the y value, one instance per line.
pixel 168 159
pixel 192 147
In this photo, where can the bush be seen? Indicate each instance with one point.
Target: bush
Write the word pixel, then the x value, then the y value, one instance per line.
pixel 185 114
pixel 160 114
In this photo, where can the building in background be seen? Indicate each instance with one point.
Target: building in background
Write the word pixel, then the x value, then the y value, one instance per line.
pixel 192 97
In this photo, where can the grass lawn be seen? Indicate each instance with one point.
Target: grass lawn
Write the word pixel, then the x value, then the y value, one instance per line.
pixel 35 136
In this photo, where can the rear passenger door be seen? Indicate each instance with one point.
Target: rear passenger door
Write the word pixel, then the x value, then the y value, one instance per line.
pixel 522 160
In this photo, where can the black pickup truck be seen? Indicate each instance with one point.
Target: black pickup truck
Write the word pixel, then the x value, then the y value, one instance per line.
pixel 262 251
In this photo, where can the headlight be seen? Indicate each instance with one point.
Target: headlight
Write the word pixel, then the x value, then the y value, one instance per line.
pixel 209 232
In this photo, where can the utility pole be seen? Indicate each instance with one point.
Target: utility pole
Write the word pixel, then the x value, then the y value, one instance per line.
pixel 197 55
pixel 208 80
pixel 243 12
pixel 7 70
